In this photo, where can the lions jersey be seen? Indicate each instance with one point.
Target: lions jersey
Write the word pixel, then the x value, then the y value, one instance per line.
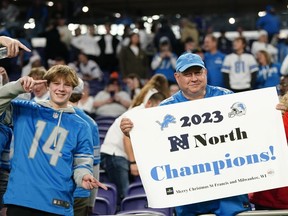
pixel 226 206
pixel 81 192
pixel 240 68
pixel 50 148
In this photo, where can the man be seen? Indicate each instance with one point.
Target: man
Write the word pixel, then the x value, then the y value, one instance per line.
pixel 84 200
pixel 239 68
pixel 52 151
pixel 213 61
pixel 191 76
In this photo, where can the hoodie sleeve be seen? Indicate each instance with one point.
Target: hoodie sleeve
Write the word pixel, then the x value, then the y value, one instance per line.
pixel 83 156
pixel 7 93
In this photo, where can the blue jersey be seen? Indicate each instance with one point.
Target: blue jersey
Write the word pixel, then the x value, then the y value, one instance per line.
pixel 166 68
pixel 81 192
pixel 268 76
pixel 213 63
pixel 5 141
pixel 226 206
pixel 211 91
pixel 50 148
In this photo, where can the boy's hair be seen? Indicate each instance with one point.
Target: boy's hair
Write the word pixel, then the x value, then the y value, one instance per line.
pixel 64 72
pixel 37 73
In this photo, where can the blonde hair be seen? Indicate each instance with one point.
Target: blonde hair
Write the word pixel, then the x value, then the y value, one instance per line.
pixel 37 73
pixel 62 71
pixel 158 82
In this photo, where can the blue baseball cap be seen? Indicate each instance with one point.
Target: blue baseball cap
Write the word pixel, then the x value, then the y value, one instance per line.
pixel 187 60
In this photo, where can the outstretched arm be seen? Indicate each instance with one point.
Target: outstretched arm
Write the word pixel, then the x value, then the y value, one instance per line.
pixel 13 46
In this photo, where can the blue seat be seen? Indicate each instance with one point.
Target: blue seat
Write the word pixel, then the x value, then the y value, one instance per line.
pixel 104 123
pixel 101 207
pixel 110 195
pixel 135 188
pixel 139 202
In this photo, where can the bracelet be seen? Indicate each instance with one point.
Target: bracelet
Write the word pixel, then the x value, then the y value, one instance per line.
pixel 132 162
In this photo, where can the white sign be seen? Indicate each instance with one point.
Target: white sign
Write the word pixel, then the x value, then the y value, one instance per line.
pixel 210 148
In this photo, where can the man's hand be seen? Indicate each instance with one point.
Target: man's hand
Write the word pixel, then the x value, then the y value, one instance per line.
pixel 13 46
pixel 89 182
pixel 28 83
pixel 126 126
pixel 4 74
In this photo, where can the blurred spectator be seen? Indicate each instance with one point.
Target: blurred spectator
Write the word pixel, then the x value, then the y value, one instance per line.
pixel 8 13
pixel 270 22
pixel 189 45
pixel 54 46
pixel 164 61
pixel 59 10
pixel 143 36
pixel 39 12
pixel 89 69
pixel 213 61
pixel 39 91
pixel 263 44
pixel 87 43
pixel 111 101
pixel 224 44
pixel 239 68
pixel 133 59
pixel 189 29
pixel 34 62
pixel 284 67
pixel 269 72
pixel 165 31
pixel 110 47
pixel 65 33
pixel 133 84
pixel 86 102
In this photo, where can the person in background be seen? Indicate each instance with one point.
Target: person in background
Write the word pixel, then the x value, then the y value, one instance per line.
pixel 115 161
pixel 39 91
pixel 284 67
pixel 86 101
pixel 283 86
pixel 213 61
pixel 189 45
pixel 262 44
pixel 224 44
pixel 191 76
pixel 269 73
pixel 84 200
pixel 111 101
pixel 270 22
pixel 133 84
pixel 133 59
pixel 239 68
pixel 164 61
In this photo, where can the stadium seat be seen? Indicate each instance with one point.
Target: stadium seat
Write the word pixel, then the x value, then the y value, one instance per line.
pixel 101 207
pixel 139 202
pixel 135 188
pixel 104 123
pixel 110 195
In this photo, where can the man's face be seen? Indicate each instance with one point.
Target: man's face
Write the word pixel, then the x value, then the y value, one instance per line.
pixel 209 44
pixel 60 92
pixel 192 81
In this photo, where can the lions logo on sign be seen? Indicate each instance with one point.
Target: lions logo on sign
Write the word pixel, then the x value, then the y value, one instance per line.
pixel 237 109
pixel 167 120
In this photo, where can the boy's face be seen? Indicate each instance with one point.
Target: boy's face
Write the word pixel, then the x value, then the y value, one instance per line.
pixel 60 92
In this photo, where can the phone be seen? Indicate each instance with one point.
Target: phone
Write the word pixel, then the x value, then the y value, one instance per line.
pixel 3 52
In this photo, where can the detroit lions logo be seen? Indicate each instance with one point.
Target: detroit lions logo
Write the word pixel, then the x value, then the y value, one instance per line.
pixel 167 120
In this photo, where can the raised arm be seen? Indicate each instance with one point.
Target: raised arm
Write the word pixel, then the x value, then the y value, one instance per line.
pixel 13 46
